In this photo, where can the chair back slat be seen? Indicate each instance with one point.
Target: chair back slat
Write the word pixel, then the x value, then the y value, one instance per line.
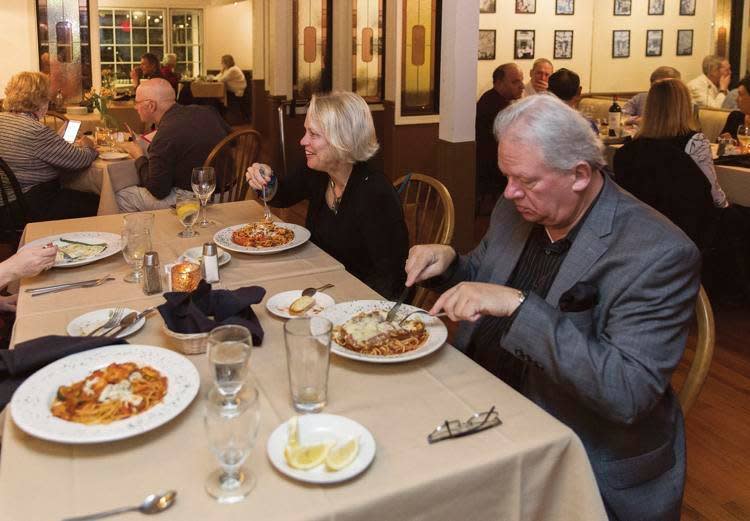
pixel 704 352
pixel 230 158
pixel 54 120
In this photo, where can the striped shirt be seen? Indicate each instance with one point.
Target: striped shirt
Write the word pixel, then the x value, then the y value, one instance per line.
pixel 35 153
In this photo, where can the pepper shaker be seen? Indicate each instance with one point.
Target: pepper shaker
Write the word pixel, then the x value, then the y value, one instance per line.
pixel 210 263
pixel 151 273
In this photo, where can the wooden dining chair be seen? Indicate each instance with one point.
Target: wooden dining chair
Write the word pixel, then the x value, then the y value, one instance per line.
pixel 704 352
pixel 54 120
pixel 14 211
pixel 230 159
pixel 429 215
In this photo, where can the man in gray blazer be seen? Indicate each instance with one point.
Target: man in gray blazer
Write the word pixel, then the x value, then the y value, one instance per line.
pixel 580 296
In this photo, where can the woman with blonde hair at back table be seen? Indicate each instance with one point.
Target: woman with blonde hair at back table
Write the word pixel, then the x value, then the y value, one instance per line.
pixel 39 157
pixel 354 213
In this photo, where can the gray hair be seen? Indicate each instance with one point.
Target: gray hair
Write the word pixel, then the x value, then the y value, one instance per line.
pixel 664 72
pixel 564 137
pixel 540 61
pixel 712 62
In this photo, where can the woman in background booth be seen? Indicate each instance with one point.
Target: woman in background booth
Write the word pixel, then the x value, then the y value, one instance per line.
pixel 741 116
pixel 38 156
pixel 354 213
pixel 232 76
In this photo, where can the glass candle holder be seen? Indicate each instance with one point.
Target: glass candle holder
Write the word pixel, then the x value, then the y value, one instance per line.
pixel 185 276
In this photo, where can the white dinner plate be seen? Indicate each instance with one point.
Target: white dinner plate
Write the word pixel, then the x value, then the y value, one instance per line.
pixel 112 241
pixel 30 405
pixel 113 156
pixel 340 313
pixel 280 302
pixel 84 324
pixel 196 254
pixel 224 239
pixel 320 428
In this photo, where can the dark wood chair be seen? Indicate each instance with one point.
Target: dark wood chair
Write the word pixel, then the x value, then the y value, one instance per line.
pixel 54 120
pixel 14 211
pixel 230 159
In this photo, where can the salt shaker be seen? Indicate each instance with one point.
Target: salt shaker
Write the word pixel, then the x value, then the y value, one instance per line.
pixel 210 263
pixel 151 273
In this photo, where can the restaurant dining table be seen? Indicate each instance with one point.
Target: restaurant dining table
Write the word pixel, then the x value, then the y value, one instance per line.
pixel 529 467
pixel 123 112
pixel 104 177
pixel 209 89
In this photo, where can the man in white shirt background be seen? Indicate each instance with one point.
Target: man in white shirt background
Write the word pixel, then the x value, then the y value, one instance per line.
pixel 710 88
pixel 540 73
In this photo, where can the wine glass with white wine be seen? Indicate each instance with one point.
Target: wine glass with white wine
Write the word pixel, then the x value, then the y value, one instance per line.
pixel 135 244
pixel 187 211
pixel 743 136
pixel 203 180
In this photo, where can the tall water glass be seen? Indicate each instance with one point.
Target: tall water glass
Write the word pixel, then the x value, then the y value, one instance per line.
pixel 229 350
pixel 138 222
pixel 135 244
pixel 232 427
pixel 308 346
pixel 203 181
pixel 187 209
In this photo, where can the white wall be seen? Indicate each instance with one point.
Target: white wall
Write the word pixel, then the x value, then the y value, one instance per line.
pixel 17 39
pixel 229 30
pixel 505 21
pixel 631 74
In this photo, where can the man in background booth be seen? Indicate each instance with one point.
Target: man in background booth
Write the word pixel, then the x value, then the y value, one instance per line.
pixel 540 73
pixel 710 88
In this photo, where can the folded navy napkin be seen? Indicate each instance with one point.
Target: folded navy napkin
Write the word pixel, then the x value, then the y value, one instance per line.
pixel 734 160
pixel 27 357
pixel 580 297
pixel 190 312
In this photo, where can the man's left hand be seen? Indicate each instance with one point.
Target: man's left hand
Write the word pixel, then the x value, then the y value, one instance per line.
pixel 540 85
pixel 472 300
pixel 132 148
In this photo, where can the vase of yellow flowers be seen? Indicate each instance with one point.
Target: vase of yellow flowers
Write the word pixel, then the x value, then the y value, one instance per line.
pixel 100 100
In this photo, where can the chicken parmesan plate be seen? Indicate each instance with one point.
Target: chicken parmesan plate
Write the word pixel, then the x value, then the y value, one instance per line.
pixel 261 237
pixel 105 394
pixel 360 332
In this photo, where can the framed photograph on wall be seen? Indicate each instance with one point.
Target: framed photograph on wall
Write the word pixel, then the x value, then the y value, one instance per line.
pixel 623 7
pixel 526 6
pixel 621 44
pixel 684 42
pixel 486 44
pixel 487 6
pixel 565 6
pixel 563 45
pixel 523 47
pixel 656 7
pixel 687 7
pixel 654 39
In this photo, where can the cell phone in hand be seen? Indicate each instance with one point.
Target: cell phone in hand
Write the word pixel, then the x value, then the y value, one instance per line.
pixel 71 130
pixel 133 135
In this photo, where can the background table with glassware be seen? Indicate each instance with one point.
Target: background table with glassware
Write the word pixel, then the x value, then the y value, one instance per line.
pixel 530 467
pixel 209 89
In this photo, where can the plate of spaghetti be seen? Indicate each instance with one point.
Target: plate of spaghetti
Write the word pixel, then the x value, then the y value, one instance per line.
pixel 261 238
pixel 361 333
pixel 105 394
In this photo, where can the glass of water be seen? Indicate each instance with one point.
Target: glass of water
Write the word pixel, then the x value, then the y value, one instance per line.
pixel 228 355
pixel 187 208
pixel 308 346
pixel 231 427
pixel 135 244
pixel 203 181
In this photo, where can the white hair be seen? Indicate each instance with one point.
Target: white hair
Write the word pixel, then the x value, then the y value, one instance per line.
pixel 564 137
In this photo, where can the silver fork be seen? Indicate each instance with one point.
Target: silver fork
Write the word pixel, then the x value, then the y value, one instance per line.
pixel 266 211
pixel 441 314
pixel 113 320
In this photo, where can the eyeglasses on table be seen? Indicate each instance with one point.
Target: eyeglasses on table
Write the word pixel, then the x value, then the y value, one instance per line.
pixel 478 421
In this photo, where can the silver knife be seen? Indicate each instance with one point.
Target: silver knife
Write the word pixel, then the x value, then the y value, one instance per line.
pixel 119 329
pixel 62 287
pixel 54 286
pixel 392 313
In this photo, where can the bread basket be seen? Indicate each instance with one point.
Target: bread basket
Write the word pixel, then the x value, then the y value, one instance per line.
pixel 189 343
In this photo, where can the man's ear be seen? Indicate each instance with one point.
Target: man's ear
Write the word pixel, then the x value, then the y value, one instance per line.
pixel 583 174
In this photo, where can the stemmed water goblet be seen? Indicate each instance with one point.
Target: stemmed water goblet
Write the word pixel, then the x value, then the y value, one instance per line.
pixel 232 427
pixel 187 208
pixel 135 244
pixel 743 136
pixel 203 180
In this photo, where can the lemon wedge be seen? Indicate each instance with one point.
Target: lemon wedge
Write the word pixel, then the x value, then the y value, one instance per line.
pixel 292 433
pixel 306 457
pixel 185 209
pixel 342 455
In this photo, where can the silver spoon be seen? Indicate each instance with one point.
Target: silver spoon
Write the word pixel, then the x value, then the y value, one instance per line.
pixel 153 504
pixel 309 292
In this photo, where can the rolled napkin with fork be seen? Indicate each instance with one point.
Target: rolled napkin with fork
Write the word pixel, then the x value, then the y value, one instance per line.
pixel 26 358
pixel 190 313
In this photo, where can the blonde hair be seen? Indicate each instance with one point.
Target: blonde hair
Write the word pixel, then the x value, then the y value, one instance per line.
pixel 346 122
pixel 26 92
pixel 669 110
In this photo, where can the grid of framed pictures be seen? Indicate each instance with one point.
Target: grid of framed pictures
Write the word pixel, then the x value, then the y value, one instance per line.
pixel 620 44
pixel 656 7
pixel 487 44
pixel 684 42
pixel 654 39
pixel 523 48
pixel 563 45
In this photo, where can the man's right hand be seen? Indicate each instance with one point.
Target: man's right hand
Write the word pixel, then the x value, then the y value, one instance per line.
pixel 426 261
pixel 132 148
pixel 254 177
pixel 87 142
pixel 724 81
